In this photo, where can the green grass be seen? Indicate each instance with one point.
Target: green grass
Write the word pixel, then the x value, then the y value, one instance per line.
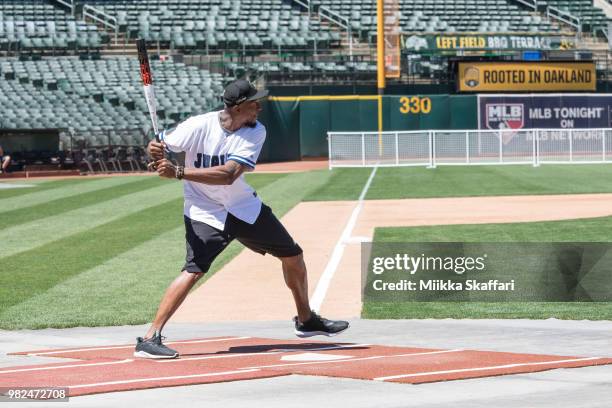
pixel 343 184
pixel 115 272
pixel 65 204
pixel 453 181
pixel 33 196
pixel 582 230
pixel 101 251
pixel 39 186
pixel 490 310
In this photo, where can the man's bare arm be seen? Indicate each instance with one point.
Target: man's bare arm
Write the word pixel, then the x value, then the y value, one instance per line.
pixel 218 175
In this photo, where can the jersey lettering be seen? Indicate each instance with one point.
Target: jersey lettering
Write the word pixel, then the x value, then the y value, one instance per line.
pixel 206 161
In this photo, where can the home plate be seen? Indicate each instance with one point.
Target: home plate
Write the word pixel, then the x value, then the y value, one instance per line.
pixel 314 357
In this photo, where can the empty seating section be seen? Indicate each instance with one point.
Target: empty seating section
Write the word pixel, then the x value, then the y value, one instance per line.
pixel 220 24
pixel 36 25
pixel 300 71
pixel 591 17
pixel 444 16
pixel 98 95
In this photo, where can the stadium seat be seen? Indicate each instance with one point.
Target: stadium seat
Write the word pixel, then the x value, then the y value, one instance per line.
pixel 441 16
pixel 217 24
pixel 98 94
pixel 34 25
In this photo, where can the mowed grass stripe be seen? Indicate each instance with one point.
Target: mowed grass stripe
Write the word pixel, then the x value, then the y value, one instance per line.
pixel 578 230
pixel 39 185
pixel 126 288
pixel 342 184
pixel 32 272
pixel 65 204
pixel 36 197
pixel 24 237
pixel 456 181
pixel 149 242
pixel 284 194
pixel 488 310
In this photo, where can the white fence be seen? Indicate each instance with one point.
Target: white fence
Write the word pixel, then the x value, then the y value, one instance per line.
pixel 469 147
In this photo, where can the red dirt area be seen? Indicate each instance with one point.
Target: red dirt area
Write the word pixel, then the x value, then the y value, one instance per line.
pixel 113 368
pixel 306 164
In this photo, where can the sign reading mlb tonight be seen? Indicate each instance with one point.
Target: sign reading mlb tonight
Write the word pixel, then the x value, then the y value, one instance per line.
pixel 553 111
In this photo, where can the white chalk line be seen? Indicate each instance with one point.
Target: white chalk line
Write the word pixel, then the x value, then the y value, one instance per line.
pixel 350 360
pixel 22 370
pixel 259 368
pixel 64 351
pixel 139 380
pixel 466 370
pixel 267 353
pixel 248 369
pixel 330 269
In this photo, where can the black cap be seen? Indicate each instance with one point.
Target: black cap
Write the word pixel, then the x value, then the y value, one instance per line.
pixel 240 91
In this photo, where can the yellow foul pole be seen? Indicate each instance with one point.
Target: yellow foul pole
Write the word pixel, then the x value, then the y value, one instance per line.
pixel 380 55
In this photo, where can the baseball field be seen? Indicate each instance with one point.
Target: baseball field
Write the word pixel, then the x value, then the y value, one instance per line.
pixel 101 251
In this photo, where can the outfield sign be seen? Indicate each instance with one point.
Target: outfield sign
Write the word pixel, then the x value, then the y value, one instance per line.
pixel 526 76
pixel 486 272
pixel 486 42
pixel 545 111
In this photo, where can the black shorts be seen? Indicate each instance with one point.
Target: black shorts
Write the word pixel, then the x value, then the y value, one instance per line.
pixel 266 235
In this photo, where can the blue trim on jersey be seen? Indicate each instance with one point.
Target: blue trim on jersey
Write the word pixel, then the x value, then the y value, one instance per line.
pixel 242 160
pixel 251 162
pixel 161 139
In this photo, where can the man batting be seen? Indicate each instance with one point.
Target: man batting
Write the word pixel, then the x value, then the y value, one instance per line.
pixel 220 207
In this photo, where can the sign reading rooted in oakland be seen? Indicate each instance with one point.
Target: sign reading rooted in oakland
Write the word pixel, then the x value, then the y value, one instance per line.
pixel 526 76
pixel 487 272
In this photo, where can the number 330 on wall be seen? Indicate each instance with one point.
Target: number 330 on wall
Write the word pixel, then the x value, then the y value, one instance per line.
pixel 415 105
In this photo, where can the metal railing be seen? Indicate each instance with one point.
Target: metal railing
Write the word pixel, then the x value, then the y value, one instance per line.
pixel 332 16
pixel 432 148
pixel 307 4
pixel 532 4
pixel 67 3
pixel 564 17
pixel 103 18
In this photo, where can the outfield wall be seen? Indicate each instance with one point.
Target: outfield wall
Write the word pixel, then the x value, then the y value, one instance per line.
pixel 298 126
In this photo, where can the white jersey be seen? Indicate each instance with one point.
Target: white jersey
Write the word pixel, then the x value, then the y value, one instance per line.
pixel 207 144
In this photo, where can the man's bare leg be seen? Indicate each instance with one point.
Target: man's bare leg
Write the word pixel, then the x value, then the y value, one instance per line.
pixel 174 296
pixel 296 278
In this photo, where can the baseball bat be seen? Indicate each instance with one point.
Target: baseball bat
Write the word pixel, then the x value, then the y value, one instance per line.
pixel 147 81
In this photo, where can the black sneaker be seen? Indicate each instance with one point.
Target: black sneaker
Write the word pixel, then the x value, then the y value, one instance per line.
pixel 318 325
pixel 153 348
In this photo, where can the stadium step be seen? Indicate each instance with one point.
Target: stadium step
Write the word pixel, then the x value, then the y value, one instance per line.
pixel 605 6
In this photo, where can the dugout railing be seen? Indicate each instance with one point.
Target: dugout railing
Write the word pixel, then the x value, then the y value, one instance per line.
pixel 433 148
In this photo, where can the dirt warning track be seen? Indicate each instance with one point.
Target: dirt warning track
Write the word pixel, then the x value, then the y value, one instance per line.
pixel 213 360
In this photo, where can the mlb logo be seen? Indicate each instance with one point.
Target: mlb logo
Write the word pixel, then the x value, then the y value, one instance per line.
pixel 505 116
